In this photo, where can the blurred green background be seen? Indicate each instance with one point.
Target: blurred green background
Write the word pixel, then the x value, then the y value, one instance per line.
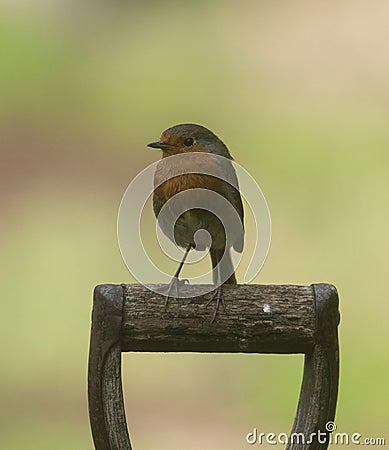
pixel 299 91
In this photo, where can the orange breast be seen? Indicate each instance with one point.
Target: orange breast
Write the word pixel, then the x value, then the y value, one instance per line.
pixel 181 183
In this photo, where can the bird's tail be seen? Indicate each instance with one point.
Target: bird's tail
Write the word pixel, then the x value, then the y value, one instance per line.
pixel 225 268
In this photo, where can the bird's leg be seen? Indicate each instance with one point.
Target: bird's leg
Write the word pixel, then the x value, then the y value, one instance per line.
pixel 175 282
pixel 218 296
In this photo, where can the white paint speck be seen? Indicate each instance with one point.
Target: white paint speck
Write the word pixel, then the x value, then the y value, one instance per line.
pixel 266 308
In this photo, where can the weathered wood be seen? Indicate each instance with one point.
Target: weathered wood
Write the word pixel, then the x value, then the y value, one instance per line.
pixel 106 406
pixel 319 389
pixel 260 319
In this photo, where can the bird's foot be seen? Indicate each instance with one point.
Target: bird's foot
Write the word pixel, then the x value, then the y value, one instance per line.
pixel 218 297
pixel 174 285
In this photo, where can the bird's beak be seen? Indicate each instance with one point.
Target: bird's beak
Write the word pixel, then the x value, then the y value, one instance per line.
pixel 159 144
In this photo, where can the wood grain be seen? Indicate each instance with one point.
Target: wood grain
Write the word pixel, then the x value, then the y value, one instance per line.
pixel 266 319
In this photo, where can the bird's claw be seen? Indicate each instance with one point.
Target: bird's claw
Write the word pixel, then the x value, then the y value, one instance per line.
pixel 175 283
pixel 218 296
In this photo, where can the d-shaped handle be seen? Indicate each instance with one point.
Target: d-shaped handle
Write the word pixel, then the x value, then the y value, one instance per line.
pixel 260 319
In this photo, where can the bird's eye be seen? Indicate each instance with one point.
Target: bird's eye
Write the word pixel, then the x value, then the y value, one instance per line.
pixel 188 142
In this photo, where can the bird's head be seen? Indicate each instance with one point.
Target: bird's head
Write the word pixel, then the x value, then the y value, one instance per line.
pixel 189 137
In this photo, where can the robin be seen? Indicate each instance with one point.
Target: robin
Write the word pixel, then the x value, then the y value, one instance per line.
pixel 183 140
